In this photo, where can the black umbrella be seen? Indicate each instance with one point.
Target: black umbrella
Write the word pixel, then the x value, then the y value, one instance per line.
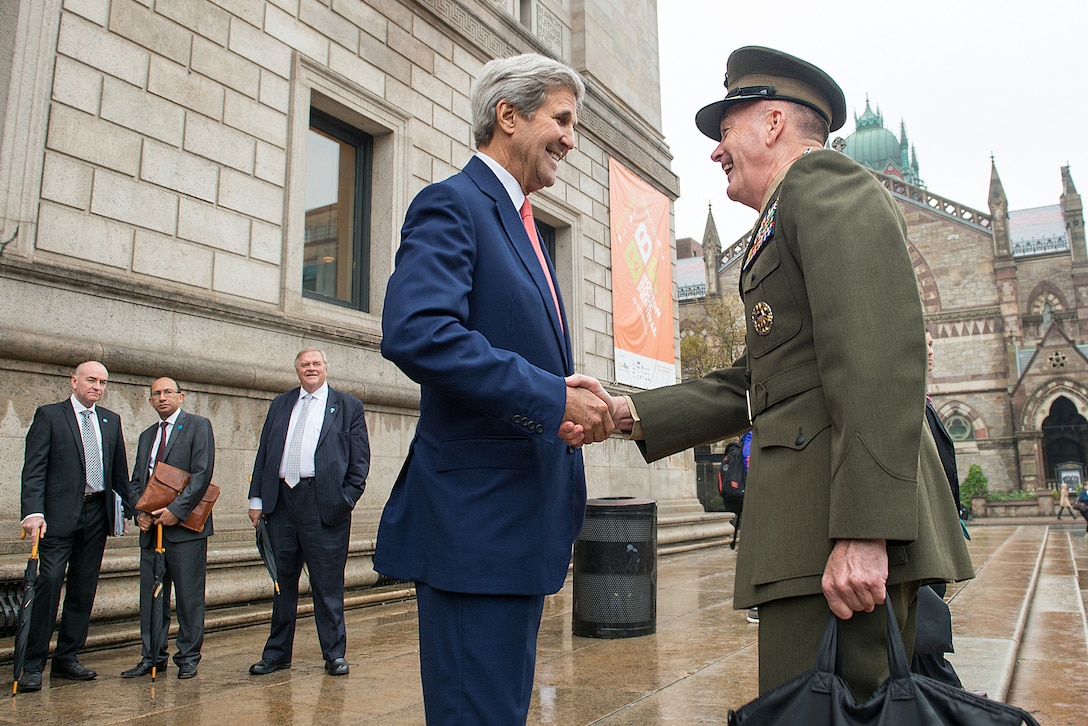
pixel 158 605
pixel 268 555
pixel 22 628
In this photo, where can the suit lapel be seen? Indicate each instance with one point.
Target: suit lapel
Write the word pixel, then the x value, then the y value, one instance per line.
pixel 105 427
pixel 332 410
pixel 489 184
pixel 72 418
pixel 282 422
pixel 175 434
pixel 143 453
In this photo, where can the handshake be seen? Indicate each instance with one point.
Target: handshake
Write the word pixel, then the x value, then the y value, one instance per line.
pixel 592 414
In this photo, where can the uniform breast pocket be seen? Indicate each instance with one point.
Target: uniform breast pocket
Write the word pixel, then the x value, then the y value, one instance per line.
pixel 770 291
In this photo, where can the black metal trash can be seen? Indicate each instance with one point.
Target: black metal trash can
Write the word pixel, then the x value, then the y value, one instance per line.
pixel 615 569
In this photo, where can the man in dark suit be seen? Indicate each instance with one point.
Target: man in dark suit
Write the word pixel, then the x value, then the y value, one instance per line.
pixel 75 460
pixel 832 384
pixel 490 499
pixel 310 470
pixel 185 441
pixel 934 632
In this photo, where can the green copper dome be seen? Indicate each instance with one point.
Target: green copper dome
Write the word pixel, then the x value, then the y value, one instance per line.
pixel 877 148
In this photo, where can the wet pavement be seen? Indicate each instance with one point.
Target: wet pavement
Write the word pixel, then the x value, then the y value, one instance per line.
pixel 1019 628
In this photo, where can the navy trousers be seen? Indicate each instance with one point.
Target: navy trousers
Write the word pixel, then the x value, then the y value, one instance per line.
pixel 299 536
pixel 477 655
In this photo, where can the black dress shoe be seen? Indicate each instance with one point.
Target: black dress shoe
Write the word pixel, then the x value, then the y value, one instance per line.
pixel 73 671
pixel 143 668
pixel 30 682
pixel 264 667
pixel 336 667
pixel 187 670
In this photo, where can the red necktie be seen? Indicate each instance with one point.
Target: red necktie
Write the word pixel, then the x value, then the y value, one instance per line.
pixel 530 229
pixel 160 453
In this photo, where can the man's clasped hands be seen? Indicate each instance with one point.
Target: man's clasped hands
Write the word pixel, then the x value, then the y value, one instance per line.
pixel 592 414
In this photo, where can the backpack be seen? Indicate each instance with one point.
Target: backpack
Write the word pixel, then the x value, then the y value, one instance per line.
pixel 731 476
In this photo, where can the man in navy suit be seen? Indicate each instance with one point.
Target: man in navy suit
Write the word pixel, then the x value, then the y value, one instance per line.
pixel 310 470
pixel 491 497
pixel 75 460
pixel 185 441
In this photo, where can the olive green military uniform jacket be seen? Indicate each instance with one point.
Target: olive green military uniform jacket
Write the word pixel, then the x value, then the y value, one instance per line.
pixel 837 362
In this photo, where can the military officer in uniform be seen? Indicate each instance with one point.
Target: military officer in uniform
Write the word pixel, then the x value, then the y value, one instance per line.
pixel 846 498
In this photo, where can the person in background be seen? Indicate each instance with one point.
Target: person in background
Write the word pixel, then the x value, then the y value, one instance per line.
pixel 933 636
pixel 1082 504
pixel 75 460
pixel 310 470
pixel 746 447
pixel 185 441
pixel 1063 501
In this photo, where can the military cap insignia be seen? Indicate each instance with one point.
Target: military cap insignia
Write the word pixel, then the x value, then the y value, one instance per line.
pixel 762 318
pixel 763 233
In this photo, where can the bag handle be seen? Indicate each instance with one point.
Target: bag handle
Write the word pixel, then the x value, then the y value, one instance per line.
pixel 827 658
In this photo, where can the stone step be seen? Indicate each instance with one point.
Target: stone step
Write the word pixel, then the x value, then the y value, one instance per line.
pixel 1019 628
pixel 1048 680
pixel 239 591
pixel 988 612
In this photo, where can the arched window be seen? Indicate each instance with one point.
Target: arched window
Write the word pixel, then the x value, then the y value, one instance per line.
pixel 960 427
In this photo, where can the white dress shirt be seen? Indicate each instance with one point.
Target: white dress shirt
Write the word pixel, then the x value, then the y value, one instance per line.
pixel 314 420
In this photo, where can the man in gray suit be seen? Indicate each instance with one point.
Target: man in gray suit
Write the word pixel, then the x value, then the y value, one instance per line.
pixel 185 441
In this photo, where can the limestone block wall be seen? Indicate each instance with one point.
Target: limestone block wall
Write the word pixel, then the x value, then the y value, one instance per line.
pixel 152 204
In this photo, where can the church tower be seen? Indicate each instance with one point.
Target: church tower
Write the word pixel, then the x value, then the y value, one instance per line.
pixel 712 255
pixel 1073 211
pixel 1005 273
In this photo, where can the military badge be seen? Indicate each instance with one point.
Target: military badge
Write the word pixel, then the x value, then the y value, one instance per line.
pixel 762 318
pixel 763 233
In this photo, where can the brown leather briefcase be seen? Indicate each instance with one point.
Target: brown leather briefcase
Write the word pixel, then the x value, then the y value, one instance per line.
pixel 165 484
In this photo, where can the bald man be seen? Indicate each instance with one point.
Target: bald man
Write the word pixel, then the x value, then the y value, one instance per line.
pixel 74 462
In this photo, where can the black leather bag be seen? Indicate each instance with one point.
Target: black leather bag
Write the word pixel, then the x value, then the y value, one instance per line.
pixel 820 697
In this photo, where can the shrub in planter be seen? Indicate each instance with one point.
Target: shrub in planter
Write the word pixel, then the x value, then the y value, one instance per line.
pixel 974 485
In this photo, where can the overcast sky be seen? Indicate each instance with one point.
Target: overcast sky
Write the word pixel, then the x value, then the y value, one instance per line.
pixel 969 78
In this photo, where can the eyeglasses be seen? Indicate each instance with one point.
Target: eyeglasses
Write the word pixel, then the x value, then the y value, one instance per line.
pixel 164 394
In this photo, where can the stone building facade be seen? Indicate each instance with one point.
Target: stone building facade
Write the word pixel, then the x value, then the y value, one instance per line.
pixel 156 215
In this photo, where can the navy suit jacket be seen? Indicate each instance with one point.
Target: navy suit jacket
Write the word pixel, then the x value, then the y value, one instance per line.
pixel 342 457
pixel 54 466
pixel 191 448
pixel 489 499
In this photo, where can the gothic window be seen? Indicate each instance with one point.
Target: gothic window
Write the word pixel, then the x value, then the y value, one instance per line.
pixel 1057 359
pixel 959 427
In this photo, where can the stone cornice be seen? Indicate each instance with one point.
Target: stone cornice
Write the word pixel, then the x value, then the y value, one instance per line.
pixel 40 347
pixel 599 118
pixel 961 315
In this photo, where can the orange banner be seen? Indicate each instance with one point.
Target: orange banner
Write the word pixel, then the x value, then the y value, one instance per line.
pixel 641 280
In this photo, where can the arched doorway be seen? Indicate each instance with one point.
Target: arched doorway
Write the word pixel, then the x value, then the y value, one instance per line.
pixel 1065 436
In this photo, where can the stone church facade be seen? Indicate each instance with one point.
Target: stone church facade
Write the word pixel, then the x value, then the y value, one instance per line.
pixel 1005 298
pixel 157 164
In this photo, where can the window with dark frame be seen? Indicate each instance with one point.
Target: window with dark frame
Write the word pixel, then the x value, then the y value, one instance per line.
pixel 336 251
pixel 547 238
